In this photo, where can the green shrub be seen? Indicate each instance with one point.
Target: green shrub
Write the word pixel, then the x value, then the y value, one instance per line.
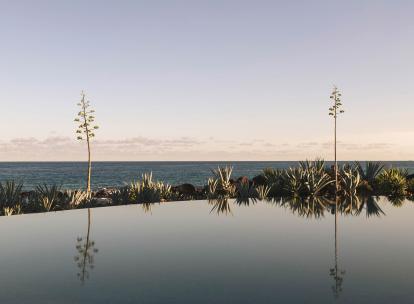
pixel 47 198
pixel 392 182
pixel 10 195
pixel 148 191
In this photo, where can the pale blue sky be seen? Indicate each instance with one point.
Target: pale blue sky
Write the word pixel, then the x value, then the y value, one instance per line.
pixel 211 79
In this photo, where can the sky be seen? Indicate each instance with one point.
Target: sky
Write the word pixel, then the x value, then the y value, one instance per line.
pixel 207 80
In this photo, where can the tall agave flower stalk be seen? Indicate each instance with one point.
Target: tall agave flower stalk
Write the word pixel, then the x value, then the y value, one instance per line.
pixel 334 111
pixel 86 131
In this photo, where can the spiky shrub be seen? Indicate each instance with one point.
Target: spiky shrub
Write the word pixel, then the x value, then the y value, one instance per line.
pixel 274 179
pixel 224 187
pixel 309 179
pixel 72 199
pixel 293 181
pixel 212 185
pixel 370 172
pixel 10 194
pixel 262 192
pixel 148 191
pixel 350 181
pixel 86 131
pixel 392 182
pixel 244 191
pixel 47 197
pixel 314 183
pixel 120 196
pixel 410 187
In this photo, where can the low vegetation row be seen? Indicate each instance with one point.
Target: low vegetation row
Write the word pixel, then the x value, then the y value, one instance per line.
pixel 310 179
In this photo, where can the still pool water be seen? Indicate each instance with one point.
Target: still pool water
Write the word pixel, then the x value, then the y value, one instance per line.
pixel 196 252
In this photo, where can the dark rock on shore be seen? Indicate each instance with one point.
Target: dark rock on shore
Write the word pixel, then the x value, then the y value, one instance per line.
pixel 185 189
pixel 259 180
pixel 411 176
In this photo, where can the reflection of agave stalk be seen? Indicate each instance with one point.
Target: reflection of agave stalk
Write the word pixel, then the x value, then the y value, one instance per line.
pixel 86 250
pixel 336 273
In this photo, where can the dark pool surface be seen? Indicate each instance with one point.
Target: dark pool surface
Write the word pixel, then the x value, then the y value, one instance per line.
pixel 196 252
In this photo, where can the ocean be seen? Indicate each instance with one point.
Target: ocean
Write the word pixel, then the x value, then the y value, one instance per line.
pixel 71 175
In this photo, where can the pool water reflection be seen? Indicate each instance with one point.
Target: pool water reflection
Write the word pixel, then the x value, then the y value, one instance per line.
pixel 227 251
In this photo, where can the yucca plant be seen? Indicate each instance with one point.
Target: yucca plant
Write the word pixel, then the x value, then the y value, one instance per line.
pixel 48 197
pixel 10 194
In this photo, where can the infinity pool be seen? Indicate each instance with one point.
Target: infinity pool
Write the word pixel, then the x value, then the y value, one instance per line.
pixel 200 252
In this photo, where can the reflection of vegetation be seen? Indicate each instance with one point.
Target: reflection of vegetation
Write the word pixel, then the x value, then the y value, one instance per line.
pixel 309 207
pixel 86 251
pixel 220 206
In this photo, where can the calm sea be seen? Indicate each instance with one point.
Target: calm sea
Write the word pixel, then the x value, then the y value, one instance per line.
pixel 110 174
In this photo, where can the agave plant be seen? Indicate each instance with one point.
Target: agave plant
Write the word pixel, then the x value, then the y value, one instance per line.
pixel 314 182
pixel 274 179
pixel 48 197
pixel 244 190
pixel 392 182
pixel 350 181
pixel 293 181
pixel 74 199
pixel 224 184
pixel 8 211
pixel 212 185
pixel 317 166
pixel 148 191
pixel 120 196
pixel 10 194
pixel 369 173
pixel 262 192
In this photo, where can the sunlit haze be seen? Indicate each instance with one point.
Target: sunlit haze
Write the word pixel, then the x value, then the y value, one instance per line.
pixel 207 80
